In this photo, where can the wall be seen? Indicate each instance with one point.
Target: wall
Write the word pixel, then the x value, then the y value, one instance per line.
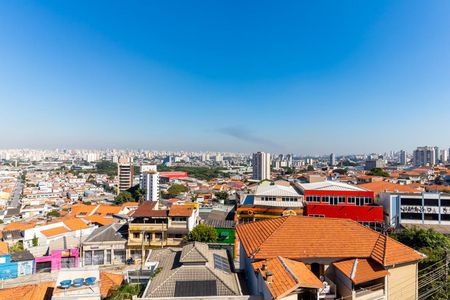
pixel 402 282
pixel 25 267
pixel 356 213
pixel 55 258
pixel 8 269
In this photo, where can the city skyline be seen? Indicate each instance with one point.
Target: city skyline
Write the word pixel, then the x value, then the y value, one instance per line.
pixel 345 77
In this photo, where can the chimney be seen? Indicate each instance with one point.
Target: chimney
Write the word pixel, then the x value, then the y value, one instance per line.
pixel 264 267
pixel 269 277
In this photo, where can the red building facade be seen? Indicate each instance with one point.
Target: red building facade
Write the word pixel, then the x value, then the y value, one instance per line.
pixel 339 200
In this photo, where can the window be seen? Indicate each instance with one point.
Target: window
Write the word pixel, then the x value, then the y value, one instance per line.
pixel 325 199
pixel 268 198
pixel 136 235
pixel 445 202
pixel 108 256
pixel 411 216
pixel 431 202
pixel 98 257
pixel 341 199
pixel 367 200
pixel 289 199
pixel 119 255
pixel 179 219
pixel 87 258
pixel 313 198
pixel 431 217
pixel 158 235
pixel 411 201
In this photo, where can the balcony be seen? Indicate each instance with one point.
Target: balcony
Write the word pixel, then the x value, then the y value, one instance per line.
pixel 147 227
pixel 329 291
pixel 371 292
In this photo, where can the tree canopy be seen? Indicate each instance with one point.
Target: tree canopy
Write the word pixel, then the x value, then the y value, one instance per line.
pixel 175 190
pixel 124 196
pixel 221 195
pixel 202 233
pixel 106 167
pixel 378 172
pixel 202 173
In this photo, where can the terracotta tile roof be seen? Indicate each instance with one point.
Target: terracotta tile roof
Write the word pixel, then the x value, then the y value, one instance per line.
pixel 82 209
pixel 98 219
pixel 42 291
pixel 364 270
pixel 126 204
pixel 105 210
pixel 54 231
pixel 109 282
pixel 386 186
pixel 3 248
pixel 19 226
pixel 287 275
pixel 147 210
pixel 181 211
pixel 298 237
pixel 75 224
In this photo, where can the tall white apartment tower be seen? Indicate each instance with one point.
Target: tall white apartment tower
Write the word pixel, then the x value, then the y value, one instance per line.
pixel 423 156
pixel 261 166
pixel 149 182
pixel 332 159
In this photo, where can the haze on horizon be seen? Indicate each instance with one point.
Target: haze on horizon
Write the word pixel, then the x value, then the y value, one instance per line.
pixel 343 77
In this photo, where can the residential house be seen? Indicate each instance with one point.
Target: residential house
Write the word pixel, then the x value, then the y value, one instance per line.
pixel 106 245
pixel 193 271
pixel 382 268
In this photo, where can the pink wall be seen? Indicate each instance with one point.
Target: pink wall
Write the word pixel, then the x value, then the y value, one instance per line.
pixel 55 258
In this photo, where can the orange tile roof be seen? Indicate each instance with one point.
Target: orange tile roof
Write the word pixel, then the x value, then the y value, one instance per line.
pixel 42 291
pixel 386 186
pixel 54 231
pixel 108 282
pixel 180 211
pixel 98 219
pixel 3 248
pixel 19 226
pixel 83 209
pixel 298 237
pixel 365 270
pixel 104 210
pixel 75 224
pixel 287 275
pixel 126 204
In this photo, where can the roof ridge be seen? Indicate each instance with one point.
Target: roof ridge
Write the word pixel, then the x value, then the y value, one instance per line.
pixel 288 270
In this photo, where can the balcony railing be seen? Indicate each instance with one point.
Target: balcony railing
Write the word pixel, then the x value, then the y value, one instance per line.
pixel 147 227
pixel 369 292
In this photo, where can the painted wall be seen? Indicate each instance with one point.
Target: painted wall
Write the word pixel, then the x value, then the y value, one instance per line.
pixel 56 256
pixel 402 282
pixel 356 213
pixel 25 267
pixel 8 269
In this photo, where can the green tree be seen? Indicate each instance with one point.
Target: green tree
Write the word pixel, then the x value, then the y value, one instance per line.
pixel 53 213
pixel 310 168
pixel 177 189
pixel 341 171
pixel 16 247
pixel 222 196
pixel 124 196
pixel 378 172
pixel 35 241
pixel 106 167
pixel 137 193
pixel 202 233
pixel 125 292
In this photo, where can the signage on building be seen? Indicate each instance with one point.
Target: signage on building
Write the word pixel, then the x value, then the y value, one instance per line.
pixel 425 209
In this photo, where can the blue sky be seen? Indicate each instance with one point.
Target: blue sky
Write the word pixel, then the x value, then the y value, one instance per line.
pixel 307 77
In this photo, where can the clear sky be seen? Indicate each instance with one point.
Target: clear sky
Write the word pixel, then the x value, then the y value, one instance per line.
pixel 307 77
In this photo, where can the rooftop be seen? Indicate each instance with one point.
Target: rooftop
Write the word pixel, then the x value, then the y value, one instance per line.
pixel 298 237
pixel 276 190
pixel 331 186
pixel 361 270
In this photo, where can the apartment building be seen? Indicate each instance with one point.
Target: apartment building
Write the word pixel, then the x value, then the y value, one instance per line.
pixel 125 173
pixel 149 182
pixel 151 227
pixel 424 156
pixel 261 166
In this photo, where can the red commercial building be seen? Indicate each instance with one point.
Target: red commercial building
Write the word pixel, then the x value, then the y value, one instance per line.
pixel 333 199
pixel 174 174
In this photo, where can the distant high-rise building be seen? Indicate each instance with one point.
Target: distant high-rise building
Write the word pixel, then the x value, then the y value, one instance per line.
pixel 424 156
pixel 403 157
pixel 332 159
pixel 149 182
pixel 436 153
pixel 125 173
pixel 261 166
pixel 375 164
pixel 444 156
